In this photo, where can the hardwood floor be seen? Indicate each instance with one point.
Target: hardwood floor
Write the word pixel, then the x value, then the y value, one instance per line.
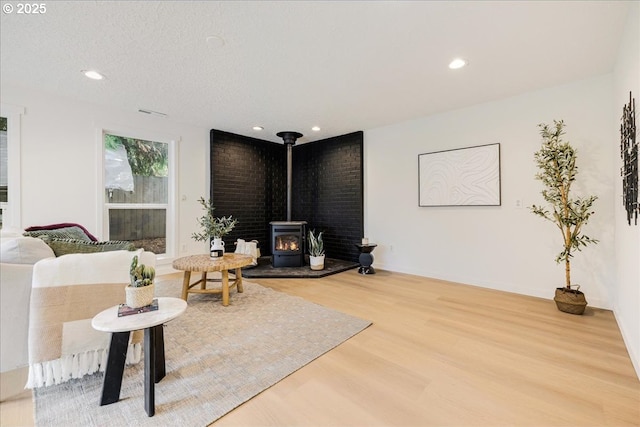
pixel 444 354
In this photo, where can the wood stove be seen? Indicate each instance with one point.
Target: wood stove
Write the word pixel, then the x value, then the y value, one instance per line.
pixel 288 243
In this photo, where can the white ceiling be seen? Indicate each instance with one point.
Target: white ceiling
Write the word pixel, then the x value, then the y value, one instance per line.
pixel 290 65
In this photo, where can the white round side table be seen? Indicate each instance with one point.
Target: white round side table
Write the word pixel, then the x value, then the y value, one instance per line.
pixel 120 328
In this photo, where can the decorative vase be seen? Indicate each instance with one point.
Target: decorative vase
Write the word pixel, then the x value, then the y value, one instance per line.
pixel 139 297
pixel 217 245
pixel 316 262
pixel 570 300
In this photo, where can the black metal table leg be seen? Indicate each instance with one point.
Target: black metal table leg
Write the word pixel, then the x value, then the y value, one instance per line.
pixel 160 363
pixel 149 370
pixel 115 368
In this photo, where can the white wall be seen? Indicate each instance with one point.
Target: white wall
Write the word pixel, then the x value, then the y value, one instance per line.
pixel 59 159
pixel 505 247
pixel 626 303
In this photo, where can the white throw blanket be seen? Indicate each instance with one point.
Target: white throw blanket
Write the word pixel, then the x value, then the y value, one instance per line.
pixel 67 292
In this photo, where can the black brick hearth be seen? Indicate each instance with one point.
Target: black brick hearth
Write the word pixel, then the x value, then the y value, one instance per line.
pixel 248 181
pixel 265 270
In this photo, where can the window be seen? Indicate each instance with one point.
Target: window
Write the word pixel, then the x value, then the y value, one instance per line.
pixel 10 166
pixel 139 191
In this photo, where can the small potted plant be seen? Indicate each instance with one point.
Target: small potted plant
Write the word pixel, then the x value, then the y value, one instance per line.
pixel 213 228
pixel 316 251
pixel 141 289
pixel 556 161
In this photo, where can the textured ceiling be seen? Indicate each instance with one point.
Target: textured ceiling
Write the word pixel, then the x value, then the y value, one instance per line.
pixel 290 65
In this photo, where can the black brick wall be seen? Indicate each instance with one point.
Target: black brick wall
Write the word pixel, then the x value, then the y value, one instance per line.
pixel 327 192
pixel 249 179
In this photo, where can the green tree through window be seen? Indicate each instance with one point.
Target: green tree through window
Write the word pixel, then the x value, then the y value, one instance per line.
pixel 147 158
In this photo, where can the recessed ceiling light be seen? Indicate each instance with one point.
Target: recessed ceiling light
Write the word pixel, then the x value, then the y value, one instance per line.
pixel 93 74
pixel 316 128
pixel 457 63
pixel 258 128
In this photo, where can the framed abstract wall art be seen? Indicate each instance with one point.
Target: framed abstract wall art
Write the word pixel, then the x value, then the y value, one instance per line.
pixel 460 177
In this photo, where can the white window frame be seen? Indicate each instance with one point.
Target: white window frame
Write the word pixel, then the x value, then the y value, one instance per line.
pixel 11 210
pixel 103 207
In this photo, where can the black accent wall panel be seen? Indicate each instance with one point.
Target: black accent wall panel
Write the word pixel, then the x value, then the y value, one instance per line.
pixel 249 179
pixel 327 192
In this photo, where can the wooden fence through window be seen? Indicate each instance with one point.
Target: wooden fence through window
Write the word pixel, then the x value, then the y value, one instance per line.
pixel 139 223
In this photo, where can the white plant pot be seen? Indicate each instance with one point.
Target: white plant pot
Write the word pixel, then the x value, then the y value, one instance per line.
pixel 217 244
pixel 316 262
pixel 139 297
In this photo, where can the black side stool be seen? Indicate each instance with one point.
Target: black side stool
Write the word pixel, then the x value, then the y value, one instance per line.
pixel 366 258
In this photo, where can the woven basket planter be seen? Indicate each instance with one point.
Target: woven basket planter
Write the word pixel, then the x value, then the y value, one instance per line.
pixel 570 300
pixel 139 297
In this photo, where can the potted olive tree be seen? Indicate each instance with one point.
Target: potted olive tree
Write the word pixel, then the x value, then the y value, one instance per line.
pixel 316 251
pixel 212 227
pixel 556 161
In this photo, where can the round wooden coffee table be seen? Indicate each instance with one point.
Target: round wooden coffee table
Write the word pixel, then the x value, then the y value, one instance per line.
pixel 205 264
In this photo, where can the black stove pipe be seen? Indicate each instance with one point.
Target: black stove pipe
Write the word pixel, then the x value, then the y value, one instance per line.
pixel 289 138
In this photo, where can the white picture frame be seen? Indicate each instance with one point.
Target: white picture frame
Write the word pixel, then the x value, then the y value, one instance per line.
pixel 460 177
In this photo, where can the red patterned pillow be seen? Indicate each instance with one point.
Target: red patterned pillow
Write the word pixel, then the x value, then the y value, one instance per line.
pixel 61 225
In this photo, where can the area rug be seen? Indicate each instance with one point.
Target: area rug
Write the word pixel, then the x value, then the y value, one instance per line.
pixel 216 359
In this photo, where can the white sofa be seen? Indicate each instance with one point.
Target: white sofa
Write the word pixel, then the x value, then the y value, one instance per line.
pixel 17 256
pixel 27 262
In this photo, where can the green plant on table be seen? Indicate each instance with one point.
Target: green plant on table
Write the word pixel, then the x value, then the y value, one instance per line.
pixel 212 227
pixel 316 245
pixel 141 275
